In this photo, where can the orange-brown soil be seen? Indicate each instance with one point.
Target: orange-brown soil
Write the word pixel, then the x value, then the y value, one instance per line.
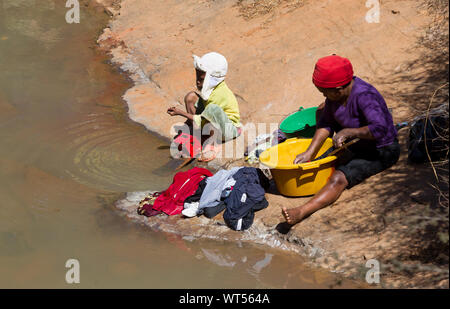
pixel 271 47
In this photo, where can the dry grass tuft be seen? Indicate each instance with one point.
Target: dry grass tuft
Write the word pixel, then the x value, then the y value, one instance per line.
pixel 253 8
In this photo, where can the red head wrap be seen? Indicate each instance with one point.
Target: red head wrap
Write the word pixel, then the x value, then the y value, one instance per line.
pixel 332 71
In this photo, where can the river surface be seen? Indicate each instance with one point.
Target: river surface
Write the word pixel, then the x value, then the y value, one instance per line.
pixel 68 151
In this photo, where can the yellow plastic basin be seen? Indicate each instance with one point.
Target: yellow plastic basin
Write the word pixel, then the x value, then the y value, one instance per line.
pixel 298 179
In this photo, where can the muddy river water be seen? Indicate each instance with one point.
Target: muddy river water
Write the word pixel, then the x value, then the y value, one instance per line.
pixel 68 151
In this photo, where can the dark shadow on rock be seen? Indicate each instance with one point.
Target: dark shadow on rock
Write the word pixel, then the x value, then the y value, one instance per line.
pixel 272 188
pixel 169 168
pixel 283 228
pixel 417 86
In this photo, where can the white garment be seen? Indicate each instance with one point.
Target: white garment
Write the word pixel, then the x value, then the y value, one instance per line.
pixel 216 67
pixel 191 209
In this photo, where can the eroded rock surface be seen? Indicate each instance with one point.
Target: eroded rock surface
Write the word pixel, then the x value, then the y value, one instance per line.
pixel 271 57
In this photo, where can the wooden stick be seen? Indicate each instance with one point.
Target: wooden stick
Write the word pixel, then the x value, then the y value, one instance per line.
pixel 344 146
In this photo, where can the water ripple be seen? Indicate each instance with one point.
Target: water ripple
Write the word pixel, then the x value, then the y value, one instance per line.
pixel 105 154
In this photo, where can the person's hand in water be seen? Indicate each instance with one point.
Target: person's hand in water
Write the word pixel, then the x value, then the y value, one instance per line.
pixel 173 111
pixel 303 157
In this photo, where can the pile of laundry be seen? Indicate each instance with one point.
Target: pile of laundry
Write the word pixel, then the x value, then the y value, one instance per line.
pixel 237 192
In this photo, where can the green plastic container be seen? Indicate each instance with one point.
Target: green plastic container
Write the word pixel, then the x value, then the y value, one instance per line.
pixel 301 123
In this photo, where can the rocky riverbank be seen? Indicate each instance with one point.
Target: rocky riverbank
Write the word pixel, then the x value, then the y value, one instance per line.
pixel 271 48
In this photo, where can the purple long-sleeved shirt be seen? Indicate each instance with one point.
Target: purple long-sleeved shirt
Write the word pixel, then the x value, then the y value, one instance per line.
pixel 365 107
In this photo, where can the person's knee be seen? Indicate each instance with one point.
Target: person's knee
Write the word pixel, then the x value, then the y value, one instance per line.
pixel 338 180
pixel 213 113
pixel 190 98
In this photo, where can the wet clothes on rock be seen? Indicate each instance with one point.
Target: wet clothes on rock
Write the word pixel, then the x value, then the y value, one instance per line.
pixel 215 186
pixel 184 185
pixel 145 207
pixel 192 203
pixel 247 196
pixel 211 212
pixel 239 191
pixel 227 188
pixel 198 194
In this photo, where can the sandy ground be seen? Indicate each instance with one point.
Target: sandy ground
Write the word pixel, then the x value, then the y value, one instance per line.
pixel 271 53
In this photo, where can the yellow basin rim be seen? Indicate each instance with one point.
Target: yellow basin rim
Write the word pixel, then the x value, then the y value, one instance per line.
pixel 265 159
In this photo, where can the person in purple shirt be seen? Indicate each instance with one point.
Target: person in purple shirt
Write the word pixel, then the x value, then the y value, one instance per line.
pixel 353 109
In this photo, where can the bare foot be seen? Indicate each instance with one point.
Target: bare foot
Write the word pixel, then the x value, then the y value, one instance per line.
pixel 210 152
pixel 293 215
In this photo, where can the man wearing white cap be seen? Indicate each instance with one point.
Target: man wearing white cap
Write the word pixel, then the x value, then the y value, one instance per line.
pixel 216 103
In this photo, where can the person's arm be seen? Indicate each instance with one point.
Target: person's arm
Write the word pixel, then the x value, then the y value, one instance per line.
pixel 325 128
pixel 317 141
pixel 173 111
pixel 377 117
pixel 351 133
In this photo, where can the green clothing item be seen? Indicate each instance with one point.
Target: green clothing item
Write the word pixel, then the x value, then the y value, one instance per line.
pixel 215 115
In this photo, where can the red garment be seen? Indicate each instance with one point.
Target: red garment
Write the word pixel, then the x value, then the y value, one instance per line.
pixel 332 71
pixel 184 184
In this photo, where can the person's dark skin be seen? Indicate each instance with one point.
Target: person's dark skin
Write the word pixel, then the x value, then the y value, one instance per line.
pixel 337 182
pixel 190 99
